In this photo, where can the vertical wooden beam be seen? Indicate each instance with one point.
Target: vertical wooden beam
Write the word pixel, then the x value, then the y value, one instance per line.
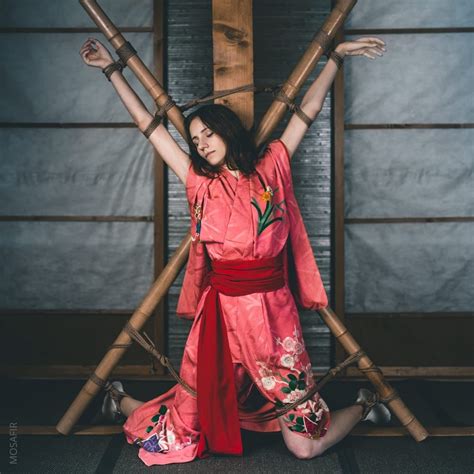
pixel 232 36
pixel 160 189
pixel 338 199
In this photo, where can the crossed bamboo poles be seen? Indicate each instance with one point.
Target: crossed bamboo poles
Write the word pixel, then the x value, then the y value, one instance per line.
pixel 161 286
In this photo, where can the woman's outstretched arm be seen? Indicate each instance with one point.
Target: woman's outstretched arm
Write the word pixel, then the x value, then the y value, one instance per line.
pixel 95 54
pixel 313 100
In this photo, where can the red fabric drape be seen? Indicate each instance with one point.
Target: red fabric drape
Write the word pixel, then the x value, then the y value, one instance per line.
pixel 216 392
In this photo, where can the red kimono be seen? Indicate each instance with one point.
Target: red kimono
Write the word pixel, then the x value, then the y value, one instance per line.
pixel 245 218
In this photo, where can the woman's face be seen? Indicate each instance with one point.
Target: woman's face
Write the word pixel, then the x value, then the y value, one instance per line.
pixel 208 144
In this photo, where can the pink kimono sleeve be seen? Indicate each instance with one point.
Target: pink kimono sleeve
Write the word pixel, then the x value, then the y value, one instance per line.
pixel 303 274
pixel 198 264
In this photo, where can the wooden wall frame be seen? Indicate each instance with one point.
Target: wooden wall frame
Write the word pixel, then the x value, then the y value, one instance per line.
pixel 357 322
pixel 158 219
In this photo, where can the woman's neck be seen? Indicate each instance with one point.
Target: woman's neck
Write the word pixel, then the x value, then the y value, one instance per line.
pixel 235 173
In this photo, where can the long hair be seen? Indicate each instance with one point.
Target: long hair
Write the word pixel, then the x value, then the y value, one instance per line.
pixel 241 152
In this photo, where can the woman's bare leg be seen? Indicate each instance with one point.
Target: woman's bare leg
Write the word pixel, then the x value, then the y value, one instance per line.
pixel 128 404
pixel 342 422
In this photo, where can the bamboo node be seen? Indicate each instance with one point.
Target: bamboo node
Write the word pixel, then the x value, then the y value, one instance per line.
pixel 323 39
pixel 390 397
pixel 100 382
pixel 120 346
pixel 125 52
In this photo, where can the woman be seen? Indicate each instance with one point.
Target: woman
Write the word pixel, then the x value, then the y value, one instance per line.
pixel 249 260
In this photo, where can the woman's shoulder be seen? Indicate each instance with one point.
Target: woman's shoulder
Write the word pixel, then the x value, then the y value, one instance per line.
pixel 195 182
pixel 276 154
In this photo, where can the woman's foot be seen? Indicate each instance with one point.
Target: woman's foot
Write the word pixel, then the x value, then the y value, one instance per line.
pixel 372 409
pixel 111 405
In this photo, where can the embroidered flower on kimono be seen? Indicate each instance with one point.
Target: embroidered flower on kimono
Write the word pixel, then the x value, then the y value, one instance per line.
pixel 294 395
pixel 267 194
pixel 198 216
pixel 289 344
pixel 299 348
pixel 267 216
pixel 152 444
pixel 268 382
pixel 287 361
pixel 263 370
pixel 171 437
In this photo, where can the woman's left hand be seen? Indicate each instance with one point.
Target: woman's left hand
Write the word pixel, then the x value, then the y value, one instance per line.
pixel 368 47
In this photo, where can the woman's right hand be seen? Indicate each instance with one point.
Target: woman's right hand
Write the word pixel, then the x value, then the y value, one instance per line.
pixel 95 54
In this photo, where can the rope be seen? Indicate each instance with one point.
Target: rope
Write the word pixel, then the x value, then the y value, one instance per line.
pixel 150 347
pixel 97 380
pixel 323 39
pixel 224 93
pixel 125 52
pixel 294 108
pixel 330 374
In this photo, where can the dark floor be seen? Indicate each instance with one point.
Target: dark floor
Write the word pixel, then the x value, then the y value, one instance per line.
pixel 434 403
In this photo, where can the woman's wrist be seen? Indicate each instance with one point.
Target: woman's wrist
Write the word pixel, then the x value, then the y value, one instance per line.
pixel 340 49
pixel 107 63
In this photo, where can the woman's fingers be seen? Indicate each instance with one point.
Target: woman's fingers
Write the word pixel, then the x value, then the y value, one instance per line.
pixel 369 54
pixel 371 40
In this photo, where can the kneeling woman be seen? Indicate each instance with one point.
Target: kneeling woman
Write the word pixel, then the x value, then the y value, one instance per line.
pixel 249 260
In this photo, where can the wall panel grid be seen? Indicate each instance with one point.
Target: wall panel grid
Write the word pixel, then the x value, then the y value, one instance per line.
pixel 77 184
pixel 408 205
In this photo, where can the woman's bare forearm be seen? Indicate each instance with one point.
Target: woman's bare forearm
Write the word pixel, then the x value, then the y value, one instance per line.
pixel 160 139
pixel 95 54
pixel 313 100
pixel 136 108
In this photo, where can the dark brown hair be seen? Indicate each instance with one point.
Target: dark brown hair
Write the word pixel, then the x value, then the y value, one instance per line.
pixel 241 152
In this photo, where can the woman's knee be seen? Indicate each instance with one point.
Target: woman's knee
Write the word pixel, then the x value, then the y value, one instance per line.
pixel 307 450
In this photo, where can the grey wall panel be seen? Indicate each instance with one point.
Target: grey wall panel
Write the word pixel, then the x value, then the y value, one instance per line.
pixel 45 265
pixel 45 80
pixel 421 79
pixel 75 172
pixel 411 14
pixel 69 13
pixel 280 38
pixel 409 267
pixel 409 173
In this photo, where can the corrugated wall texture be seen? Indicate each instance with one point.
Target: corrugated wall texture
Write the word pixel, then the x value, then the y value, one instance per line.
pixel 281 34
pixel 189 51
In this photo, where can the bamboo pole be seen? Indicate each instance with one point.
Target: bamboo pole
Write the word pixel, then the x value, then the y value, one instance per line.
pixel 151 84
pixel 137 321
pixel 304 67
pixel 375 376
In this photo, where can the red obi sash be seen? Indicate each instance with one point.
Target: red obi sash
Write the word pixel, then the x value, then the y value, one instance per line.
pixel 216 391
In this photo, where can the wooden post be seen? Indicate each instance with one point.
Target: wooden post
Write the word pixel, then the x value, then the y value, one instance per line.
pixel 337 174
pixel 232 37
pixel 160 188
